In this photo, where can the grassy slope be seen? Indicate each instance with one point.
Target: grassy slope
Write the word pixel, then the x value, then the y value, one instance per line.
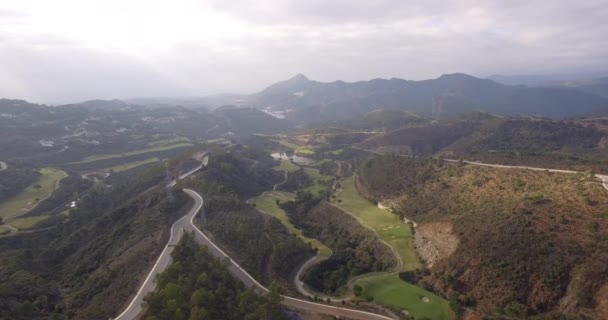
pixel 267 204
pixel 313 173
pixel 27 223
pixel 301 151
pixel 316 188
pixel 135 152
pixel 26 200
pixel 287 165
pixel 389 289
pixel 386 224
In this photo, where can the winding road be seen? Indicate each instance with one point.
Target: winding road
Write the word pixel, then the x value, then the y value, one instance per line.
pixel 186 224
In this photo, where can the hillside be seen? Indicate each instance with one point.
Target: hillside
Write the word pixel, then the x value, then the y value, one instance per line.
pixel 101 134
pixel 304 100
pixel 597 87
pixel 512 140
pixel 76 270
pixel 508 242
pixel 245 121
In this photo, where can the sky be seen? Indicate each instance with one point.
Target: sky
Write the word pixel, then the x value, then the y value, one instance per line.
pixel 71 50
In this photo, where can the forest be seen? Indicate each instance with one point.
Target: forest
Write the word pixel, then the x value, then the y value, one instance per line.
pixel 198 286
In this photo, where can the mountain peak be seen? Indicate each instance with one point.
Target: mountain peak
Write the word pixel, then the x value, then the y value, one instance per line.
pixel 298 78
pixel 457 76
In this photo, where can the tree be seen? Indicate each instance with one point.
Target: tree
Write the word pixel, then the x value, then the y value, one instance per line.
pixel 357 289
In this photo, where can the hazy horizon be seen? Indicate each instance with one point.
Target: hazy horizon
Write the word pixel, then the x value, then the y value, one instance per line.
pixel 68 51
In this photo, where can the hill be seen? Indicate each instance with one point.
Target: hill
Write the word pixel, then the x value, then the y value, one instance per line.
pixel 305 100
pixel 597 87
pixel 538 141
pixel 244 121
pixel 511 243
pixel 76 270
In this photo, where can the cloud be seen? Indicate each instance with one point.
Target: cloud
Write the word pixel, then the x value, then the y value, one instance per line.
pixel 69 50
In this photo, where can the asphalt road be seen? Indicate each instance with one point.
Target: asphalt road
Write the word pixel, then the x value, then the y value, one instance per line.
pixel 163 261
pixel 250 282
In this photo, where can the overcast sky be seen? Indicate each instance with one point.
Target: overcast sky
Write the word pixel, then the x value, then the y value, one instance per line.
pixel 64 50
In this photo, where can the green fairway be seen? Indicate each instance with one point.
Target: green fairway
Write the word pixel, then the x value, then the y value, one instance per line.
pixel 27 223
pixel 135 152
pixel 388 289
pixel 391 291
pixel 387 225
pixel 300 151
pixel 164 142
pixel 131 165
pixel 36 192
pixel 287 165
pixel 267 204
pixel 318 179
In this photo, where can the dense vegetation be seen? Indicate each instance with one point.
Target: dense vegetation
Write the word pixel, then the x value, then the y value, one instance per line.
pixel 246 171
pixel 260 243
pixel 296 180
pixel 355 249
pixel 529 243
pixel 14 180
pixel 76 269
pixel 198 286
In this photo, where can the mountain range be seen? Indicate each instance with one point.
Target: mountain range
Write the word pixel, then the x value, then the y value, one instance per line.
pixel 303 100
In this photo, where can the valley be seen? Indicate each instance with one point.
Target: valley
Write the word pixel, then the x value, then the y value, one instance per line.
pixel 385 214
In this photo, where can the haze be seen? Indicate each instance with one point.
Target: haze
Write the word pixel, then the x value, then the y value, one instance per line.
pixel 64 51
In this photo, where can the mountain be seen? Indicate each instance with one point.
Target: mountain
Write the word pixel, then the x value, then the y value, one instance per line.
pixel 597 87
pixel 244 121
pixel 546 80
pixel 531 80
pixel 307 101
